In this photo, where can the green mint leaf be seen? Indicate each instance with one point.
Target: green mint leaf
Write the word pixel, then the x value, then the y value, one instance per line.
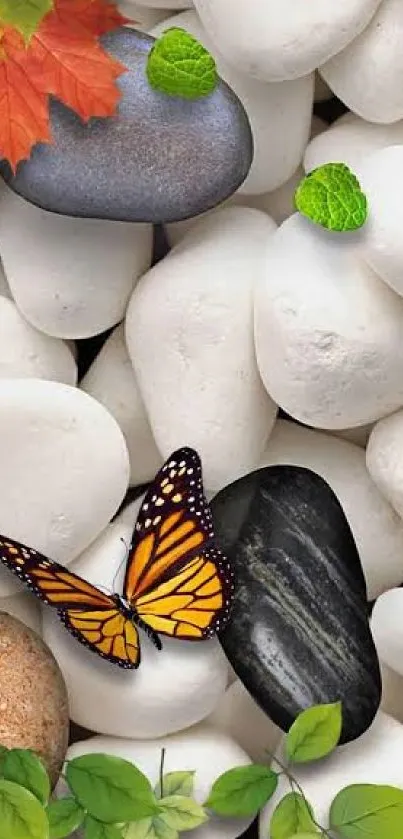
pixel 308 836
pixel 154 828
pixel 21 814
pixel 292 815
pixel 176 783
pixel 110 789
pixel 181 813
pixel 64 816
pixel 26 769
pixel 94 829
pixel 331 196
pixel 242 791
pixel 25 15
pixel 180 66
pixel 369 810
pixel 315 733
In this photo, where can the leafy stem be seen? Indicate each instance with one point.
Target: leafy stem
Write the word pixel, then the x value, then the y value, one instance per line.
pixel 295 785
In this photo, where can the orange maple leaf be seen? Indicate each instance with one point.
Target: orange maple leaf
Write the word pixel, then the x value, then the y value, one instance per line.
pixel 62 58
pixel 96 16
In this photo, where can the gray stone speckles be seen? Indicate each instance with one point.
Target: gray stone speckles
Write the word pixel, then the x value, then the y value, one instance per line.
pixel 299 632
pixel 162 159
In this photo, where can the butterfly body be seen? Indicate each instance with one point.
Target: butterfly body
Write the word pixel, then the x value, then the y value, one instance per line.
pixel 177 583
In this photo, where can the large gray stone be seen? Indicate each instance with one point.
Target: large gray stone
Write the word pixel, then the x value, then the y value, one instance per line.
pixel 161 159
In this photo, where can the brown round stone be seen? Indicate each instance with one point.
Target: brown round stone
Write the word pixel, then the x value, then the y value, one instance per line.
pixel 33 696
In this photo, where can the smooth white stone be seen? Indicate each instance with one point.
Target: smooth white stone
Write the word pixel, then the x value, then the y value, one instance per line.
pixel 143 16
pixel 27 353
pixel 350 139
pixel 283 39
pixel 328 330
pixel 376 528
pixel 173 688
pixel 374 758
pixel 366 75
pixel 384 459
pixel 279 114
pixel 70 277
pixel 158 4
pixel 238 715
pixel 392 692
pixel 64 464
pixel 4 286
pixel 358 435
pixel 191 344
pixel 25 607
pixel 381 179
pixel 112 382
pixel 387 628
pixel 203 750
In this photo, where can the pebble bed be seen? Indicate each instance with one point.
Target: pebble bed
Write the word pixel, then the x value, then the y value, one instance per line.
pixel 188 304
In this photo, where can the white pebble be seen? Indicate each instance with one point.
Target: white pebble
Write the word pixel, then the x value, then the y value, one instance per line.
pixel 173 688
pixel 366 75
pixel 328 331
pixel 157 4
pixel 189 332
pixel 25 607
pixel 64 467
pixel 112 382
pixel 279 114
pixel 283 39
pixel 387 628
pixel 376 528
pixel 238 715
pixel 381 178
pixel 143 17
pixel 206 752
pixel 392 692
pixel 27 353
pixel 70 277
pixel 4 286
pixel 385 459
pixel 374 758
pixel 350 141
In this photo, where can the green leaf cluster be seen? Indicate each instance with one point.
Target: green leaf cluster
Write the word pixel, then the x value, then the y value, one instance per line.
pixel 179 65
pixel 331 196
pixel 109 798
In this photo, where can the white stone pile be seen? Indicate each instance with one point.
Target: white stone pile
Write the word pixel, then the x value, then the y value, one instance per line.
pixel 254 309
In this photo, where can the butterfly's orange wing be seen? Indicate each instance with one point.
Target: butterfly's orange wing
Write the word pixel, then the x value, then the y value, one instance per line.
pixel 93 617
pixel 178 582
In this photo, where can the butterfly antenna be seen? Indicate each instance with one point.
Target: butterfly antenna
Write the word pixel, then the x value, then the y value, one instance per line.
pixel 124 560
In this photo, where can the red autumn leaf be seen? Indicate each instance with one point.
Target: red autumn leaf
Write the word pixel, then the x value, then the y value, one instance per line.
pixel 24 114
pixel 62 58
pixel 96 16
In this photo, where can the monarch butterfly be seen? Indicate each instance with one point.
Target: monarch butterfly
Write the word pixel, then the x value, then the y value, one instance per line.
pixel 177 583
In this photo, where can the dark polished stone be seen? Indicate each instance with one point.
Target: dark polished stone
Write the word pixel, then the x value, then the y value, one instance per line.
pixel 299 633
pixel 163 158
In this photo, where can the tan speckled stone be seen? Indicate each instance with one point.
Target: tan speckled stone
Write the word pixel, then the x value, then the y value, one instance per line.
pixel 33 696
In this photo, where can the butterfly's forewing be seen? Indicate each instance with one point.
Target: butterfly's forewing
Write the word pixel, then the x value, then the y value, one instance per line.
pixel 90 615
pixel 177 581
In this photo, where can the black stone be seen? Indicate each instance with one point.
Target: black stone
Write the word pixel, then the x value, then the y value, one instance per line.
pixel 299 633
pixel 163 158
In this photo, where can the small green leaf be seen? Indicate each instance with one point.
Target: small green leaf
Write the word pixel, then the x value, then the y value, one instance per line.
pixel 94 829
pixel 64 816
pixel 182 813
pixel 242 791
pixel 315 733
pixel 292 815
pixel 25 15
pixel 180 66
pixel 154 828
pixel 331 196
pixel 176 783
pixel 26 769
pixel 110 789
pixel 21 814
pixel 307 836
pixel 369 810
